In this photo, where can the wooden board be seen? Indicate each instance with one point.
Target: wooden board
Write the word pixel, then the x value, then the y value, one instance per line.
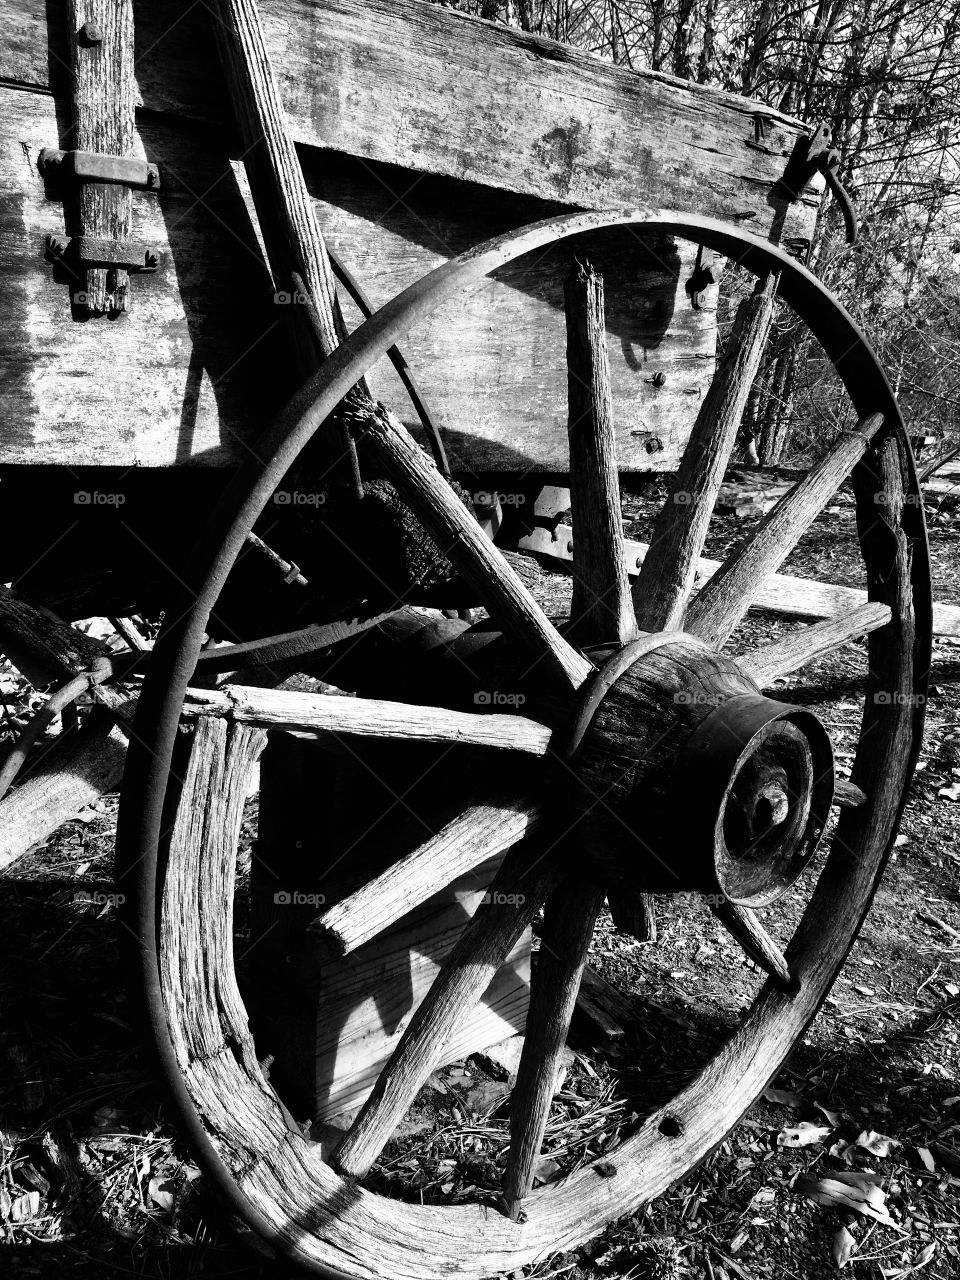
pixel 421 86
pixel 502 129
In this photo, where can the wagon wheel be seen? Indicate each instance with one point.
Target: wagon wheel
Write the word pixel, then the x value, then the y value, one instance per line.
pixel 762 770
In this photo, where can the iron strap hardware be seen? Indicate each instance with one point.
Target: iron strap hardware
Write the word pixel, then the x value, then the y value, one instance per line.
pixel 813 155
pixel 88 251
pixel 92 166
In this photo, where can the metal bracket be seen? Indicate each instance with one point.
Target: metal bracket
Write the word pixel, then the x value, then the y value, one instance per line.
pixel 705 273
pixel 813 155
pixel 87 251
pixel 91 166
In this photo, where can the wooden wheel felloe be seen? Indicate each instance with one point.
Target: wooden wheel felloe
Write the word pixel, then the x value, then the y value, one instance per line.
pixel 660 702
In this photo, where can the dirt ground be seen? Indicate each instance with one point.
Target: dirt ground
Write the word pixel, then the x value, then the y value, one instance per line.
pixel 94 1182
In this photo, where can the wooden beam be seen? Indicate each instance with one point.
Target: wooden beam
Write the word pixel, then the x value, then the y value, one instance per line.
pixel 429 89
pixel 366 718
pixel 781 593
pixel 104 90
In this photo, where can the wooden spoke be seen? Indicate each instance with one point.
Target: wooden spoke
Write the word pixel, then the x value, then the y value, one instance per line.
pixel 526 877
pixel 460 538
pixel 632 912
pixel 848 796
pixel 743 924
pixel 568 922
pixel 729 593
pixel 468 841
pixel 667 575
pixel 602 608
pixel 795 650
pixel 366 718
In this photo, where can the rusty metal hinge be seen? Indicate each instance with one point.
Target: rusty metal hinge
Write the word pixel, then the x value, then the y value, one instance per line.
pixel 92 166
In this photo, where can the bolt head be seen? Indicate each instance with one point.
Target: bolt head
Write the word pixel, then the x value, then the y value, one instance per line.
pixel 91 33
pixel 151 260
pixel 153 176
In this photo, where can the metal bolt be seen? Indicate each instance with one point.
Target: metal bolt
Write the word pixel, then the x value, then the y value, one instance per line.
pixel 90 33
pixel 659 378
pixel 153 176
pixel 56 245
pixel 151 260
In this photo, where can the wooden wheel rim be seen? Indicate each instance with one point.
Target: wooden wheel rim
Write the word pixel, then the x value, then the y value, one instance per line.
pixel 343 1223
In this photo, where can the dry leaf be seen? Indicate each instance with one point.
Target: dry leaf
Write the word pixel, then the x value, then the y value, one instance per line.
pixel 926 1157
pixel 848 1191
pixel 804 1134
pixel 950 793
pixel 784 1097
pixel 832 1117
pixel 844 1247
pixel 160 1196
pixel 878 1144
pixel 925 1255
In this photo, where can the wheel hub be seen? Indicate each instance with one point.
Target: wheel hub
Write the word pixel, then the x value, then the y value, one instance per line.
pixel 691 780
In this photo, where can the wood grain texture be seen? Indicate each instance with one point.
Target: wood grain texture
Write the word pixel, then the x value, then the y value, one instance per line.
pixel 781 593
pixel 728 595
pixel 512 901
pixel 367 718
pixel 569 916
pixel 668 572
pixel 460 538
pixel 744 925
pixel 798 648
pixel 601 608
pixel 433 90
pixel 76 772
pixel 847 795
pixel 464 843
pixel 631 139
pixel 103 98
pixel 491 361
pixel 285 211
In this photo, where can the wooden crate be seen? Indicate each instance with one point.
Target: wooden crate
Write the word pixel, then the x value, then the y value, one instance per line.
pixel 330 1025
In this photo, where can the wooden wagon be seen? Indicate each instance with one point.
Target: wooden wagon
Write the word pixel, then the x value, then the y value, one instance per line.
pixel 194 419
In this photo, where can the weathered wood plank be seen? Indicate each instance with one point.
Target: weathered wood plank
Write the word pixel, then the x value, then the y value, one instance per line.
pixel 430 89
pixel 183 383
pixel 781 593
pixel 507 125
pixel 103 122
